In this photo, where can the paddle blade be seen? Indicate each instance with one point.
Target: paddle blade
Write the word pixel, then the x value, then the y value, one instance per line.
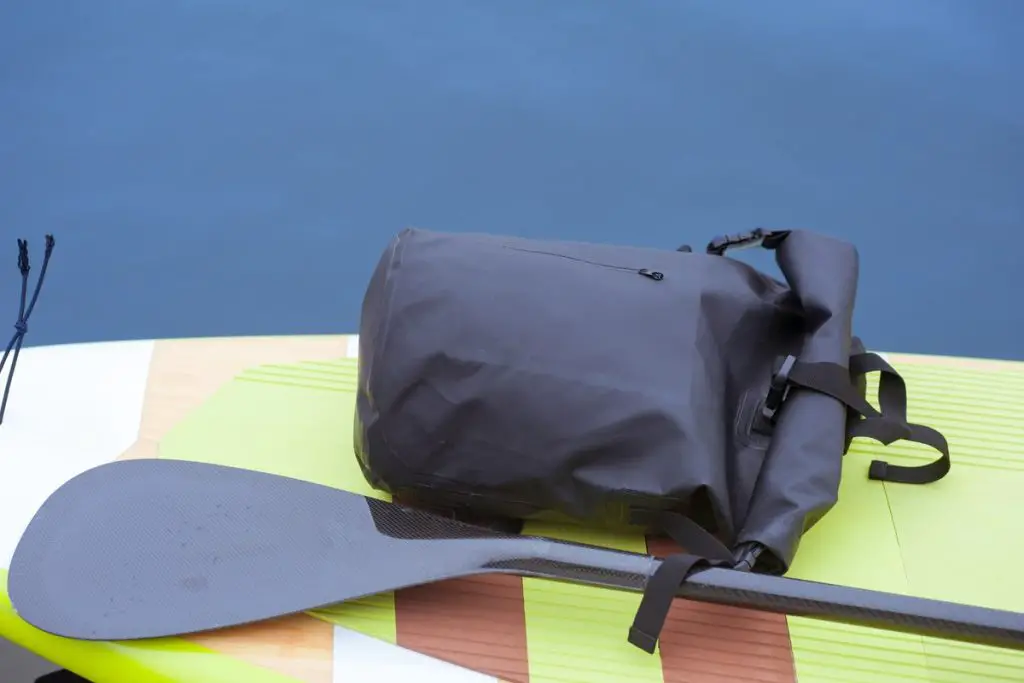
pixel 152 548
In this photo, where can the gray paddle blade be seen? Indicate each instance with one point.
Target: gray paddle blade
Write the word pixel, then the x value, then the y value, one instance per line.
pixel 151 548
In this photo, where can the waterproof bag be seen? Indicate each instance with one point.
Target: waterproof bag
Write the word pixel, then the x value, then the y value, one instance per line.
pixel 688 393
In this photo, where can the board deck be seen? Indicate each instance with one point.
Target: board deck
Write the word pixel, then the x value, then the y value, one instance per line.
pixel 285 405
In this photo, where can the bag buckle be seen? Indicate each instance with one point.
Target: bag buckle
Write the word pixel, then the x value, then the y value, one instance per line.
pixel 778 390
pixel 758 237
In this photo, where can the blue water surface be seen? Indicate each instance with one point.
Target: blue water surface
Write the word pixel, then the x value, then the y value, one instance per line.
pixel 224 167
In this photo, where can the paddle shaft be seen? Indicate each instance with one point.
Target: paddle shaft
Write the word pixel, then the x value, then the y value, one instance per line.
pixel 854 606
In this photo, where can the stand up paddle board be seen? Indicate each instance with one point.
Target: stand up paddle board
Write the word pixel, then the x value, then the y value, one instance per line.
pixel 284 406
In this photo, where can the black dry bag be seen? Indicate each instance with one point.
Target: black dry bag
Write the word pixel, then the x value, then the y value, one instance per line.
pixel 618 385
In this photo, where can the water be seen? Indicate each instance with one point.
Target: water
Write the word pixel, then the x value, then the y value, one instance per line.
pixel 236 166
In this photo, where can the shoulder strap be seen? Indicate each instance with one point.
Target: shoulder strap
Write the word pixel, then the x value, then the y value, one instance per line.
pixel 886 425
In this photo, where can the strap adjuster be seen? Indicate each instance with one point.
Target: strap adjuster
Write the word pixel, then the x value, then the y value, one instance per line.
pixel 778 390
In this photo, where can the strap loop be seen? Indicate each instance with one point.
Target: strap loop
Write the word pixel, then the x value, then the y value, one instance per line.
pixel 886 425
pixel 702 550
pixel 658 596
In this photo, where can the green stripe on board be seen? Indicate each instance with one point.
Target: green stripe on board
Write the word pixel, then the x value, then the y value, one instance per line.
pixel 925 540
pixel 576 633
pixel 977 410
pixel 959 537
pixel 271 418
pixel 854 545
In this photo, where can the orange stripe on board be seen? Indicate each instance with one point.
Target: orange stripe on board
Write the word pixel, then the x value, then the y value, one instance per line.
pixel 703 643
pixel 476 622
pixel 298 646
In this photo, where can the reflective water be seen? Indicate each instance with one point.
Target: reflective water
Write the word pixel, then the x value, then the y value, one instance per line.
pixel 236 166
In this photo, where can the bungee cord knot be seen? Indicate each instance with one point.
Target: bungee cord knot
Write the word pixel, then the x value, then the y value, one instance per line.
pixel 25 308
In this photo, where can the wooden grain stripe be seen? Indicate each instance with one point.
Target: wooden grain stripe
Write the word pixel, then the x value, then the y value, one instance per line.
pixel 476 622
pixel 704 643
pixel 297 646
pixel 182 375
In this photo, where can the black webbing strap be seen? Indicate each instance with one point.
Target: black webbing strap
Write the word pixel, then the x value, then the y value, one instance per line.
pixel 658 596
pixel 892 399
pixel 702 550
pixel 692 536
pixel 886 425
pixel 833 380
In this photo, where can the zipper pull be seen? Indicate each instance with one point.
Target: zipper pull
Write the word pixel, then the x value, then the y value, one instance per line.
pixel 653 274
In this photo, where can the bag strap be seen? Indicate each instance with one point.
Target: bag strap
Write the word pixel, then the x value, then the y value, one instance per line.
pixel 886 425
pixel 701 550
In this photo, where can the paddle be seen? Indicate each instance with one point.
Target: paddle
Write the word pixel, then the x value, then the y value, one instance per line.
pixel 151 548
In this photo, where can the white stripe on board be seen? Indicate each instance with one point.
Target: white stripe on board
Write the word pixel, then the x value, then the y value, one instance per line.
pixel 353 346
pixel 358 658
pixel 72 407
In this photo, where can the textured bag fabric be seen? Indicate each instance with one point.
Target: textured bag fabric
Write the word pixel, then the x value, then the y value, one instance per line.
pixel 517 377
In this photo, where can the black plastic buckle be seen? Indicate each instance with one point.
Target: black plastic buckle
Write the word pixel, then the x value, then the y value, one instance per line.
pixel 778 390
pixel 745 556
pixel 758 237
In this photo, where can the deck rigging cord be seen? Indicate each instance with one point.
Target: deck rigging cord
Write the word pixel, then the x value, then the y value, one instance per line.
pixel 24 312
